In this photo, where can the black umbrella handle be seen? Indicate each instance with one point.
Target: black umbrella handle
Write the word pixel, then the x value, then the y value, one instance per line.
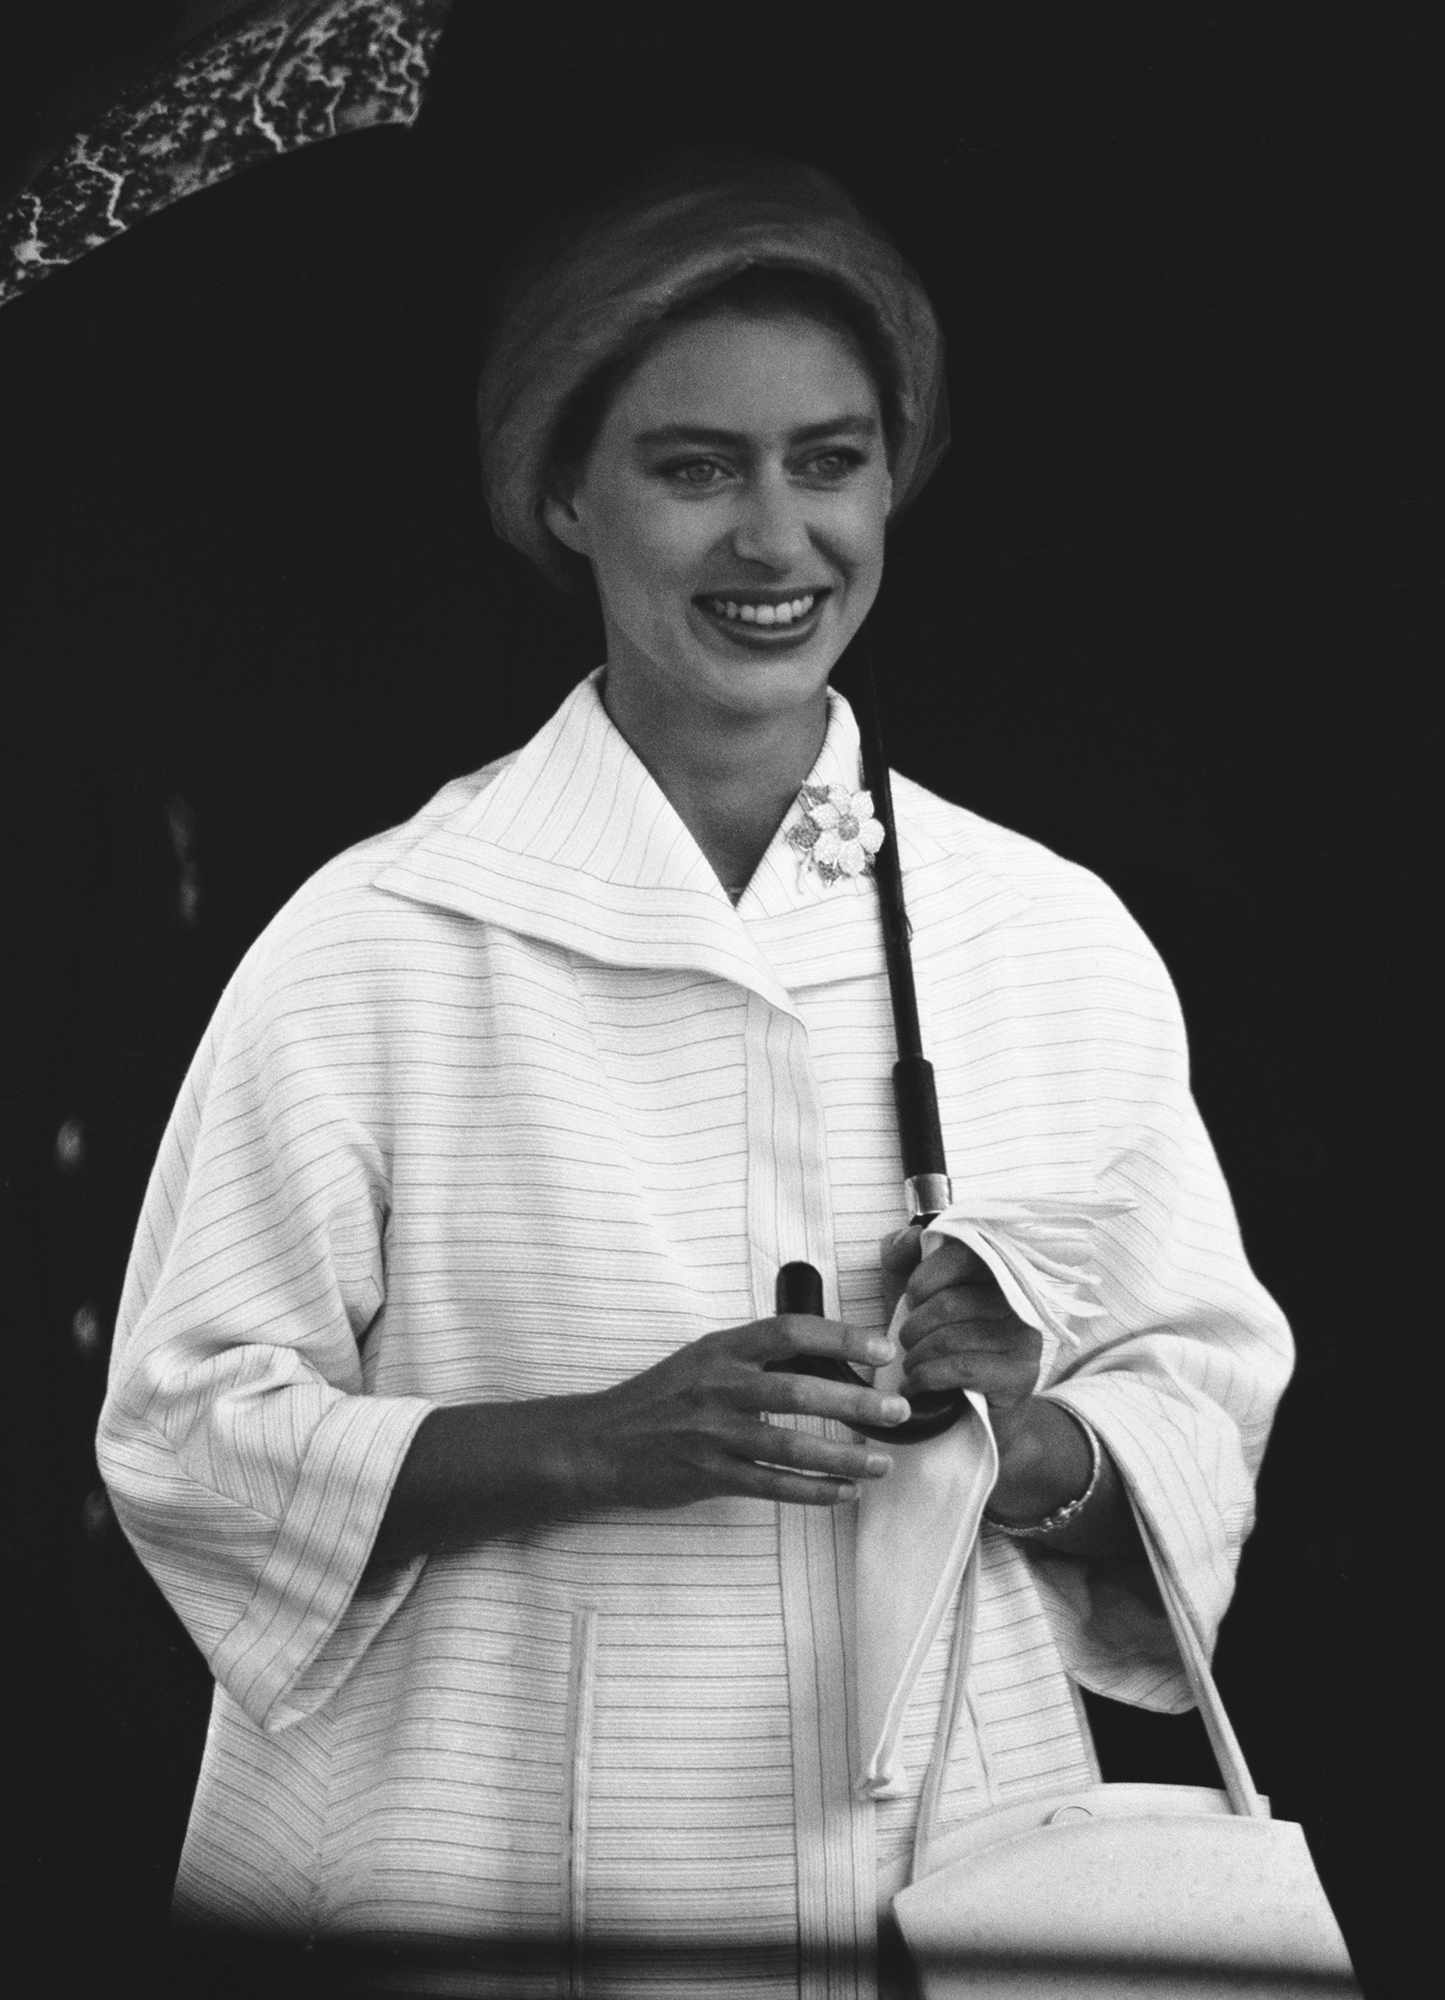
pixel 800 1290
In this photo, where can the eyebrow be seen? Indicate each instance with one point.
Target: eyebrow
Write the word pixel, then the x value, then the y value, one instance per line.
pixel 680 434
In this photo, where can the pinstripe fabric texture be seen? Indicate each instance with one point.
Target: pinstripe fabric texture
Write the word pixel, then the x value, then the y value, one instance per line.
pixel 511 1101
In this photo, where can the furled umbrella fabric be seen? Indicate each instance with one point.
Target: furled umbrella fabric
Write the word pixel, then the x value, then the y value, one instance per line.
pixel 287 75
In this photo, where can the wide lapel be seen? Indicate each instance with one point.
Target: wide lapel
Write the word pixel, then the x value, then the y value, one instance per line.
pixel 573 842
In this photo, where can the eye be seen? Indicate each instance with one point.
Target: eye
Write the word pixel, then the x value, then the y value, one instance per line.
pixel 833 466
pixel 698 474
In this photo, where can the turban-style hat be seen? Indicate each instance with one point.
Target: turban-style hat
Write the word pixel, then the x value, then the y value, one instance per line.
pixel 596 295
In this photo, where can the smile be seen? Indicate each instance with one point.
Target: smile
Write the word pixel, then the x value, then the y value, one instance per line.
pixel 755 612
pixel 765 621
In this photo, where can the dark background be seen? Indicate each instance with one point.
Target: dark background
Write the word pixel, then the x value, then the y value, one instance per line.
pixel 1161 608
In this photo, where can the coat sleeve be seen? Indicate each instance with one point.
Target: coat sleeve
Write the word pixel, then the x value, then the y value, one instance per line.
pixel 1181 1373
pixel 245 1463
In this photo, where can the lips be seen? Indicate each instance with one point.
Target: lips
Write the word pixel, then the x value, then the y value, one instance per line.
pixel 764 618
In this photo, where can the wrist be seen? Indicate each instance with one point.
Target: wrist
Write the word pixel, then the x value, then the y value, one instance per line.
pixel 476 1470
pixel 1049 1471
pixel 562 1446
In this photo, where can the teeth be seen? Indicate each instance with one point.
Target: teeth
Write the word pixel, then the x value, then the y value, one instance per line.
pixel 763 614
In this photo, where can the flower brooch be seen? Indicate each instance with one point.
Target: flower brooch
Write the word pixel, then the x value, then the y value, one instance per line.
pixel 837 832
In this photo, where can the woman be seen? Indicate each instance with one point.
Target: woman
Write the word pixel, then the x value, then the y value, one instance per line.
pixel 448 1402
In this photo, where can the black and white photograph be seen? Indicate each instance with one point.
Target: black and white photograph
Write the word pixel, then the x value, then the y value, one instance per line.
pixel 713 769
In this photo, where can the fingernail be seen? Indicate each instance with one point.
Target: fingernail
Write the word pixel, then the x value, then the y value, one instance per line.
pixel 895 1409
pixel 881 1350
pixel 876 1464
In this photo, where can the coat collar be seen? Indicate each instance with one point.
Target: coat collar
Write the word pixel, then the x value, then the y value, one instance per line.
pixel 572 841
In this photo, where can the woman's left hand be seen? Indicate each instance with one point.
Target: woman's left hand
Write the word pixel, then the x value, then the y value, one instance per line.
pixel 960 1332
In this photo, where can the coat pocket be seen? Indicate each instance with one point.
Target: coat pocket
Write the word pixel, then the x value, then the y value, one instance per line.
pixel 458 1807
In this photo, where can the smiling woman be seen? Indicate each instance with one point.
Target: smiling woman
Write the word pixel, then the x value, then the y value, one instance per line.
pixel 566 1624
pixel 732 508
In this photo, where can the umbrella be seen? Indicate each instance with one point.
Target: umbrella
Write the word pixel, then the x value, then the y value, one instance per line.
pixel 286 75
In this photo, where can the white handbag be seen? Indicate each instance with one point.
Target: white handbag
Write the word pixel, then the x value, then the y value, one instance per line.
pixel 1137 1890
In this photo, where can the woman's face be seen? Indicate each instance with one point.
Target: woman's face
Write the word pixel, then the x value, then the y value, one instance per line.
pixel 733 509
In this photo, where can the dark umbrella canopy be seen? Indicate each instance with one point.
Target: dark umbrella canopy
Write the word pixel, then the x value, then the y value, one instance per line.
pixel 284 76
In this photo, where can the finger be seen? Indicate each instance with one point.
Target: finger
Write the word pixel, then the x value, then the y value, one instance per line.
pixel 786 1393
pixel 797 1489
pixel 952 1263
pixel 961 1306
pixel 983 1374
pixel 901 1249
pixel 806 1451
pixel 787 1334
pixel 1002 1338
pixel 999 1373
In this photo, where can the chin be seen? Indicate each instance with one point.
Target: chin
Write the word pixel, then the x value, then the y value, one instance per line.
pixel 776 685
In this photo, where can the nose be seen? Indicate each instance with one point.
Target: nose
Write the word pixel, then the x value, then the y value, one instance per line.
pixel 771 526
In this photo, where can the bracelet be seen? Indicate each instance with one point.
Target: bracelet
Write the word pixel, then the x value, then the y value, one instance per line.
pixel 1061 1516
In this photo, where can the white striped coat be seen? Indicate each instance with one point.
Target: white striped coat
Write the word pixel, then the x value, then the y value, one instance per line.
pixel 510 1101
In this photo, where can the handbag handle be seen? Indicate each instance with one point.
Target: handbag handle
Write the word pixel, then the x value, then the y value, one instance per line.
pixel 1239 1786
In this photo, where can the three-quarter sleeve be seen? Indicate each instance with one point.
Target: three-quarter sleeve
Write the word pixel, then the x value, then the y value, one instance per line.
pixel 244 1461
pixel 1181 1373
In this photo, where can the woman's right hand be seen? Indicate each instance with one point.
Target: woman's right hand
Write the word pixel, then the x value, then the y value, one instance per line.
pixel 695 1426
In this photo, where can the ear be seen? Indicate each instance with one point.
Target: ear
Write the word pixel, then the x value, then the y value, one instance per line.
pixel 562 518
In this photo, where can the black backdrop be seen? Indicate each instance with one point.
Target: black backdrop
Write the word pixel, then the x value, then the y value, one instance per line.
pixel 1157 610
